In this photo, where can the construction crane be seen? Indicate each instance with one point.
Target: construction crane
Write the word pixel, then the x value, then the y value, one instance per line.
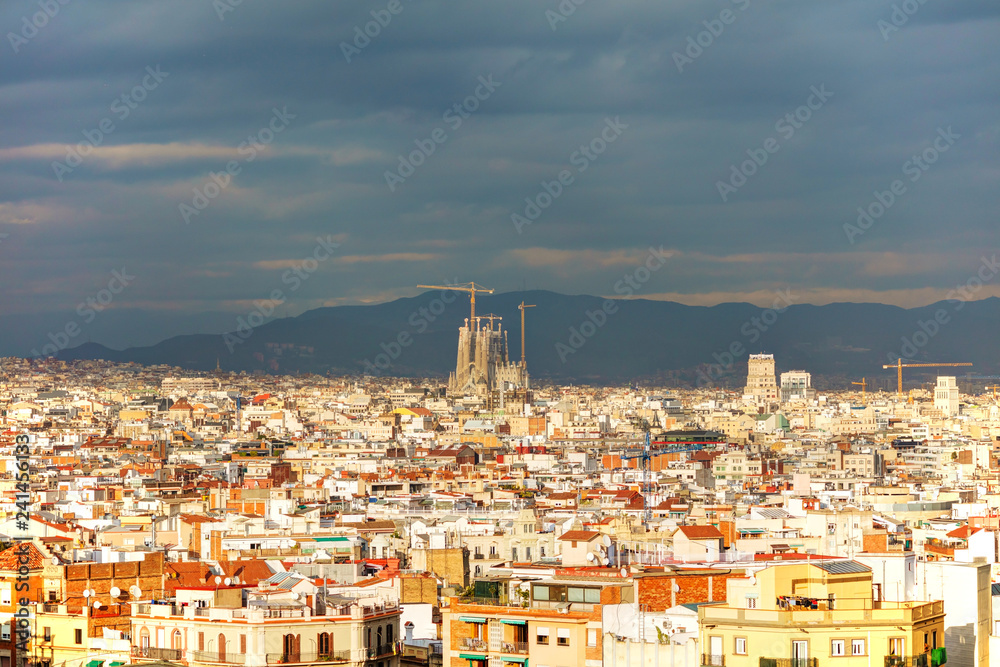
pixel 994 389
pixel 489 317
pixel 471 288
pixel 521 308
pixel 899 366
pixel 644 457
pixel 863 384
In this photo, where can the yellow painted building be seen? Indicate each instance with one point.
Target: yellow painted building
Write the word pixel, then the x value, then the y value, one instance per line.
pixel 818 613
pixel 483 635
pixel 74 637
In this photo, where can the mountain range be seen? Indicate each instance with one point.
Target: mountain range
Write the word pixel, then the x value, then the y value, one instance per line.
pixel 589 339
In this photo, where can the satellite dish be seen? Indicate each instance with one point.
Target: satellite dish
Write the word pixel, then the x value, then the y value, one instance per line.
pixel 86 593
pixel 55 560
pixel 236 580
pixel 134 591
pixel 228 581
pixel 605 561
pixel 218 580
pixel 115 591
pixel 97 605
pixel 675 588
pixel 590 557
pixel 624 572
pixel 607 540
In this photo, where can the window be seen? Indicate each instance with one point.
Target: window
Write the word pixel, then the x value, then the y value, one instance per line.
pixel 5 632
pixel 52 596
pixel 542 636
pixel 751 603
pixel 78 636
pixel 837 648
pixel 527 553
pixel 513 553
pixel 541 551
pixel 201 641
pixel 857 647
pixel 47 633
pixel 5 596
pixel 562 637
pixel 741 646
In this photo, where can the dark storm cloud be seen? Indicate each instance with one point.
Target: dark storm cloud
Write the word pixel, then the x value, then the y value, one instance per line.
pixel 656 184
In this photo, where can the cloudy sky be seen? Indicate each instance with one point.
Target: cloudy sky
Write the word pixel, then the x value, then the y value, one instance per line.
pixel 672 95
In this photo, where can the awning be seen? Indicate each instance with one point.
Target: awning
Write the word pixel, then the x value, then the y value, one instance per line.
pixel 472 656
pixel 472 619
pixel 510 658
pixel 512 621
pixel 95 663
pixel 116 664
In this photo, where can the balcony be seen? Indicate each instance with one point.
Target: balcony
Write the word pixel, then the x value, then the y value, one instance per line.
pixel 218 659
pixel 789 662
pixel 906 660
pixel 709 660
pixel 307 658
pixel 382 650
pixel 514 647
pixel 151 653
pixel 846 612
pixel 473 644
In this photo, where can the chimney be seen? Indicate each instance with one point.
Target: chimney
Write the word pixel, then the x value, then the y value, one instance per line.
pixel 409 631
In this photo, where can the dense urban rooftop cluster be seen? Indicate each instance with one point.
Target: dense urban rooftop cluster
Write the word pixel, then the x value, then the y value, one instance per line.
pixel 224 519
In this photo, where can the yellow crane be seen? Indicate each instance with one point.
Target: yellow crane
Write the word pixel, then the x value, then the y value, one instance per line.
pixel 899 366
pixel 471 288
pixel 521 308
pixel 491 317
pixel 863 384
pixel 994 389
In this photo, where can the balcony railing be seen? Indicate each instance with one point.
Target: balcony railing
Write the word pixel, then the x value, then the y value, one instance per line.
pixel 709 660
pixel 906 660
pixel 300 658
pixel 156 653
pixel 218 659
pixel 381 650
pixel 789 662
pixel 515 647
pixel 474 644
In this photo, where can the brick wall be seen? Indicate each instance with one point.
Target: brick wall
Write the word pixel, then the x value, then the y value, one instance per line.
pixel 875 541
pixel 416 590
pixel 657 591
